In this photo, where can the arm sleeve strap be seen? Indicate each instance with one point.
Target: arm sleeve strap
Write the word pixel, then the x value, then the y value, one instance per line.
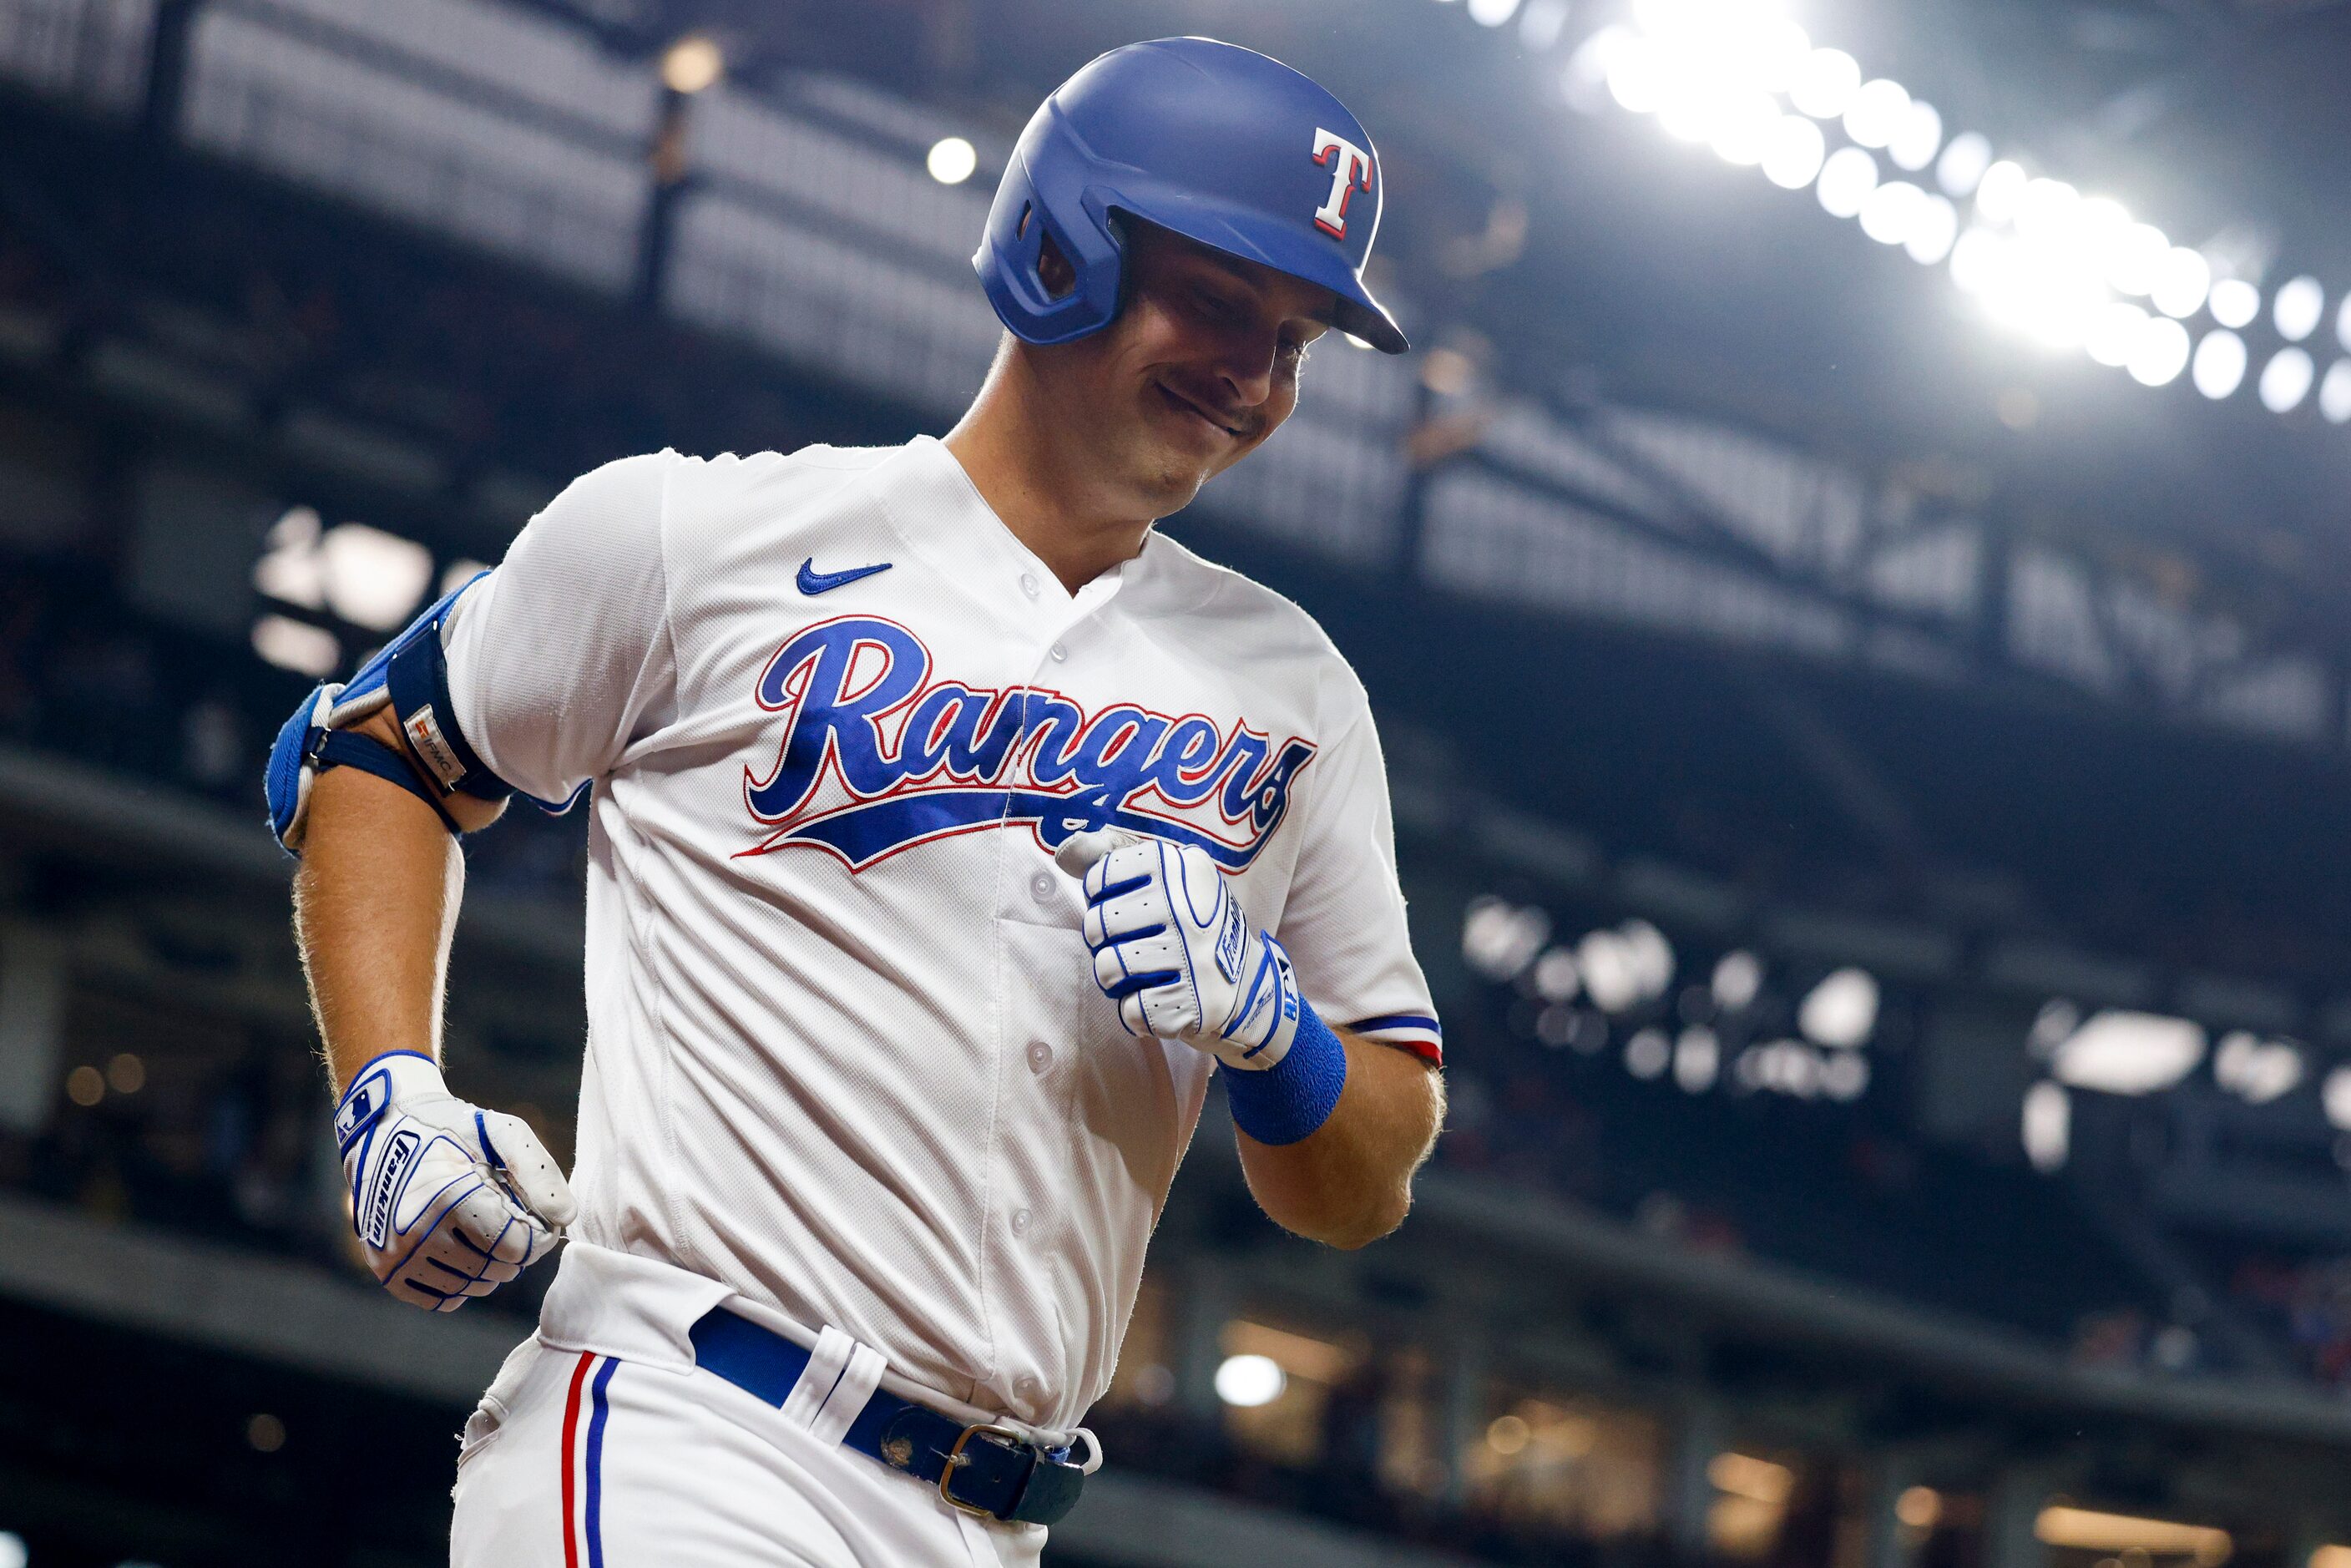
pixel 349 749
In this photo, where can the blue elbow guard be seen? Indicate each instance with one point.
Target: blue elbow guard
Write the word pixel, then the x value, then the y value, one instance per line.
pixel 411 676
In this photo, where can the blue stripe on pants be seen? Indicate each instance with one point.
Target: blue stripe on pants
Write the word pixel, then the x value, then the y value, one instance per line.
pixel 596 1465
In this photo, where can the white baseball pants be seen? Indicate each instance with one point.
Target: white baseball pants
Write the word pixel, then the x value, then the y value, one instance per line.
pixel 581 1457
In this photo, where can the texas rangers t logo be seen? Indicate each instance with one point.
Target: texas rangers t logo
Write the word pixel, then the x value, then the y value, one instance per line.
pixel 878 756
pixel 1351 170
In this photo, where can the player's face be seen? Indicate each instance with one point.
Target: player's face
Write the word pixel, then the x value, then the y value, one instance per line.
pixel 1199 367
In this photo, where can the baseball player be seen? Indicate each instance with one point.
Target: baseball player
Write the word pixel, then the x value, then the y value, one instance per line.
pixel 948 829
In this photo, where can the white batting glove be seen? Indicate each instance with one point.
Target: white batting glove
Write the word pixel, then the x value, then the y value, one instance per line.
pixel 1173 948
pixel 449 1201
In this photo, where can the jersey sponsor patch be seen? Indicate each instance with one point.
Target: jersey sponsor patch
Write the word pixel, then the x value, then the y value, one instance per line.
pixel 878 756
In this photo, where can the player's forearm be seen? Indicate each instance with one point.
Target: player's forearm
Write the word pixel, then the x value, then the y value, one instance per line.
pixel 375 901
pixel 1350 1182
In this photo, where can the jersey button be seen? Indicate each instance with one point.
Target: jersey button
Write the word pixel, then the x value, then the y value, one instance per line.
pixel 1041 1056
pixel 1021 1218
pixel 1058 653
pixel 1040 887
pixel 1028 583
pixel 1025 1387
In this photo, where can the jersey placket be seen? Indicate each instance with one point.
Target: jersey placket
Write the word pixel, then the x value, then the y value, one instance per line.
pixel 1032 891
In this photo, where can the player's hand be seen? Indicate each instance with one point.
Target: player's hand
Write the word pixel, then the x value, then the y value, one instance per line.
pixel 1173 948
pixel 449 1201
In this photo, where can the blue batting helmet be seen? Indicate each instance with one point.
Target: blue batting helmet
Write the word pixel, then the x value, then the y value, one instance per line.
pixel 1219 145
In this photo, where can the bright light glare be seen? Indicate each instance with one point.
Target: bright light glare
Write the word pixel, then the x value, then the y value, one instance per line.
pixel 1997 192
pixel 2234 302
pixel 1888 212
pixel 2137 258
pixel 297 646
pixel 1743 128
pixel 2335 1095
pixel 692 64
pixel 1932 228
pixel 1492 12
pixel 1637 75
pixel 1841 1010
pixel 1961 167
pixel 2254 1070
pixel 2285 379
pixel 1250 1381
pixel 2113 333
pixel 2047 209
pixel 1846 178
pixel 1737 976
pixel 1825 83
pixel 373 579
pixel 12 1553
pixel 1978 259
pixel 2117 1052
pixel 2219 363
pixel 1609 970
pixel 2048 1126
pixel 1793 151
pixel 951 160
pixel 1876 112
pixel 2301 303
pixel 1918 138
pixel 2343 322
pixel 1777 52
pixel 2160 353
pixel 2334 392
pixel 2183 278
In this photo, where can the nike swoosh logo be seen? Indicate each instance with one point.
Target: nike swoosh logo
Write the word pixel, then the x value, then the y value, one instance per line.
pixel 814 581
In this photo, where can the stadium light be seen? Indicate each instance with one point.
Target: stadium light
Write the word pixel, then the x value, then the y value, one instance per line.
pixel 373 579
pixel 1492 12
pixel 693 63
pixel 1647 1053
pixel 1839 1011
pixel 2118 1052
pixel 951 160
pixel 2220 367
pixel 1697 1058
pixel 1961 167
pixel 2334 392
pixel 1248 1381
pixel 1846 178
pixel 2254 1070
pixel 2300 306
pixel 297 646
pixel 2041 257
pixel 2085 1529
pixel 2285 379
pixel 2335 1098
pixel 13 1551
pixel 1498 938
pixel 2047 1126
pixel 1738 978
pixel 2234 302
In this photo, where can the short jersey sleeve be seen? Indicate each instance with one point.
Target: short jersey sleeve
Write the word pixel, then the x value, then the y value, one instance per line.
pixel 1344 923
pixel 560 656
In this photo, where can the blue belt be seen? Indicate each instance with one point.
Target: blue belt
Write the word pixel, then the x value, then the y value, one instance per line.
pixel 987 1470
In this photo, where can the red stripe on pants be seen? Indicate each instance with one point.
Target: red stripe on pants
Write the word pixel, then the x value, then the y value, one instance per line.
pixel 571 1431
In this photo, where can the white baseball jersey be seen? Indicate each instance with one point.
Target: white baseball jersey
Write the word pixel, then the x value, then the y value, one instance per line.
pixel 846 1053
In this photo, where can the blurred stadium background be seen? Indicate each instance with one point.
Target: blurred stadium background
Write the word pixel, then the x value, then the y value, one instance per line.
pixel 1855 582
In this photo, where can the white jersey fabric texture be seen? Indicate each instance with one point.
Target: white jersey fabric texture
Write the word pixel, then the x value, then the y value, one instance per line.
pixel 846 1056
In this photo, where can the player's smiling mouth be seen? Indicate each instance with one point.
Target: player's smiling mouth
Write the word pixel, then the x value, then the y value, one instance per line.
pixel 1195 410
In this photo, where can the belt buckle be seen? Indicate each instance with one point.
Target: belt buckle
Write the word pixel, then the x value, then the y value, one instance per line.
pixel 956 1460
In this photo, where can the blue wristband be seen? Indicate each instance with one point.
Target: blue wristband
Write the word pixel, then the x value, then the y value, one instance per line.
pixel 1289 1100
